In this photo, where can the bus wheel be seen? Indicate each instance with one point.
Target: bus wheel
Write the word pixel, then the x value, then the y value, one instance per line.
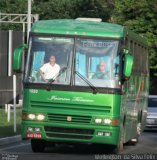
pixel 37 145
pixel 135 140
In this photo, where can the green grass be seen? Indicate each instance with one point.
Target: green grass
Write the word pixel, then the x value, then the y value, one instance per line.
pixel 7 128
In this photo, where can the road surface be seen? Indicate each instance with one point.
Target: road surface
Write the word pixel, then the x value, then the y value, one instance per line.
pixel 147 146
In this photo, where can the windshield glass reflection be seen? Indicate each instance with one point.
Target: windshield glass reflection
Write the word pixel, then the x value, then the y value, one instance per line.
pixel 97 61
pixel 49 56
pixel 56 60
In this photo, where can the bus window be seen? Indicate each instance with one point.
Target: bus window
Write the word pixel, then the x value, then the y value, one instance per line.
pixel 43 48
pixel 97 61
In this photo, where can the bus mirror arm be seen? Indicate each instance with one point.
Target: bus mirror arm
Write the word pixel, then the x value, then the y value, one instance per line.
pixel 116 68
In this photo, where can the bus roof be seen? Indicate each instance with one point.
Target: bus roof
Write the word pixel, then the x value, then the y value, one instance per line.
pixel 86 28
pixel 78 27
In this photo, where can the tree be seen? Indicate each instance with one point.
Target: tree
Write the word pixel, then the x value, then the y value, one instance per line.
pixel 141 17
pixel 93 9
pixel 54 9
pixel 12 6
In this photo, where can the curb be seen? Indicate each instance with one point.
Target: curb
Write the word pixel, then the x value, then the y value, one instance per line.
pixel 9 140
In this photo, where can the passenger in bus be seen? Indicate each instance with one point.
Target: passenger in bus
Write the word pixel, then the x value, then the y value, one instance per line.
pixel 49 70
pixel 101 73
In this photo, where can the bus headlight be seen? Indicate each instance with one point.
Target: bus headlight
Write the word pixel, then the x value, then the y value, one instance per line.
pixel 31 116
pixel 98 120
pixel 40 117
pixel 107 121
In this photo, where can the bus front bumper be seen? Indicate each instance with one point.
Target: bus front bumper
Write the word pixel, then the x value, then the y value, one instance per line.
pixel 71 133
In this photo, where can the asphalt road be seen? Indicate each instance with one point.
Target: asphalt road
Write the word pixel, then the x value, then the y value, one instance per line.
pixel 22 151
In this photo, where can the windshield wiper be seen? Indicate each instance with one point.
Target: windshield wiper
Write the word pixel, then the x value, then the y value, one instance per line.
pixel 95 90
pixel 62 70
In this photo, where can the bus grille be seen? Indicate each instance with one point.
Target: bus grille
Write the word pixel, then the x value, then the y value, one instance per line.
pixel 71 107
pixel 69 118
pixel 72 133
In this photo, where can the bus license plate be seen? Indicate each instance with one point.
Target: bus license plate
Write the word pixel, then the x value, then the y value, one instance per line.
pixel 34 135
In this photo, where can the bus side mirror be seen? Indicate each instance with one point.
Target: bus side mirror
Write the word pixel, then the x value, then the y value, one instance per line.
pixel 128 65
pixel 17 58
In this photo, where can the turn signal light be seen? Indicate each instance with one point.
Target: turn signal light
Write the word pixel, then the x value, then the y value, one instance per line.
pixel 24 115
pixel 115 122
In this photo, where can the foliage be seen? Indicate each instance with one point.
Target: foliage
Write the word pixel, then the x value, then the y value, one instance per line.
pixel 54 9
pixel 6 128
pixel 12 6
pixel 139 16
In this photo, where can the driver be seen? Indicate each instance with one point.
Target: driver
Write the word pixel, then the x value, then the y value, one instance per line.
pixel 49 70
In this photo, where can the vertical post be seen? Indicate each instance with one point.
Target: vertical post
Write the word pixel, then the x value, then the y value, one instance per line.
pixel 14 100
pixel 6 108
pixel 8 113
pixel 10 53
pixel 29 18
pixel 23 30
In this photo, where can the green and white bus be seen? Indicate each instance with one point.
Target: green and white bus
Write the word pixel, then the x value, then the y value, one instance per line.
pixel 75 106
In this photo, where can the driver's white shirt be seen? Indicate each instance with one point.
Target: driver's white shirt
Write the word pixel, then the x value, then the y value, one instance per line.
pixel 50 71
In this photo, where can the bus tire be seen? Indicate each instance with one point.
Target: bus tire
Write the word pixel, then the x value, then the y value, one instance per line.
pixel 135 140
pixel 37 145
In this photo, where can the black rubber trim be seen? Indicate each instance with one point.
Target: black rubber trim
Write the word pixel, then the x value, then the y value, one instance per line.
pixel 72 88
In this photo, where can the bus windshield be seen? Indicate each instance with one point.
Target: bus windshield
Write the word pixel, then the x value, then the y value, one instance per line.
pixel 46 50
pixel 56 59
pixel 97 61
